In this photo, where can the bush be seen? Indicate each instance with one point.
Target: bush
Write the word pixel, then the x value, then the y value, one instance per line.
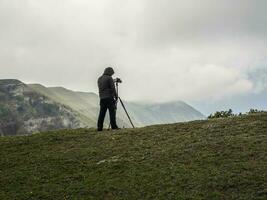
pixel 229 113
pixel 252 111
pixel 4 111
pixel 221 114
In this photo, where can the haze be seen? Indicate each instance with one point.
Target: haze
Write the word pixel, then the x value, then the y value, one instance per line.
pixel 210 53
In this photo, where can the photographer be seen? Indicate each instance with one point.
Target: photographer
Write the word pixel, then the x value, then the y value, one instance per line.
pixel 108 97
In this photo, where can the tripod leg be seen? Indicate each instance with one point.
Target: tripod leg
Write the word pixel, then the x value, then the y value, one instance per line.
pixel 126 112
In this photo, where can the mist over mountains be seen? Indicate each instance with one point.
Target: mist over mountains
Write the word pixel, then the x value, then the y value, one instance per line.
pixel 29 108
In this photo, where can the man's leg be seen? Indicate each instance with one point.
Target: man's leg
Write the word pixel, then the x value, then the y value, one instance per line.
pixel 102 113
pixel 112 114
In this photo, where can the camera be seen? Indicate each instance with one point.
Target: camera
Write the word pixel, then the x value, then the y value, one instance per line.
pixel 117 80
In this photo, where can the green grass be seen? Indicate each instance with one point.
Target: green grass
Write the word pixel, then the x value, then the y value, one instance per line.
pixel 213 159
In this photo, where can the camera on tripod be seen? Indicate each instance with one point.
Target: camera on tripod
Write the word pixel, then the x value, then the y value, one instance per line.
pixel 117 80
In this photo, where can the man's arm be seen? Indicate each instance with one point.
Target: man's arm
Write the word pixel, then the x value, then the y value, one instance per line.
pixel 113 88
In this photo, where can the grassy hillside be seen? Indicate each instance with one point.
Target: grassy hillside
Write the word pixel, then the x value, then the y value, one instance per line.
pixel 213 159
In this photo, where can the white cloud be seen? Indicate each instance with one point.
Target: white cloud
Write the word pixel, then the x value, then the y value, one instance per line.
pixel 196 82
pixel 163 50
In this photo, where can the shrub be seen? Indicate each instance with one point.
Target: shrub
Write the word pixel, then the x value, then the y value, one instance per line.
pixel 4 111
pixel 229 113
pixel 251 111
pixel 221 114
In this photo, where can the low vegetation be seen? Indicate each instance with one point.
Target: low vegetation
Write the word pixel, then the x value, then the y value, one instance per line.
pixel 210 159
pixel 229 113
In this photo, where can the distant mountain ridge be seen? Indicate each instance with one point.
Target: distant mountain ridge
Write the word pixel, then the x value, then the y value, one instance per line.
pixel 23 111
pixel 28 108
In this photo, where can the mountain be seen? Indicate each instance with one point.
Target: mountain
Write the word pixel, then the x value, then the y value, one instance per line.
pixel 207 159
pixel 22 110
pixel 87 104
pixel 162 113
pixel 28 108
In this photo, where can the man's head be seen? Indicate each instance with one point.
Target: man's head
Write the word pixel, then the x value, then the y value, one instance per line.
pixel 109 71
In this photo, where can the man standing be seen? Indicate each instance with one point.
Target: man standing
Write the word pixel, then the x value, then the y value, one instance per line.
pixel 108 97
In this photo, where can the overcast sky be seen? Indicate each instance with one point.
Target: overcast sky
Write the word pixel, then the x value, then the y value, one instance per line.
pixel 163 50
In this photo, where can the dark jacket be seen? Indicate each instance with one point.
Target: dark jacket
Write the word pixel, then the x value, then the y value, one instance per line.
pixel 106 85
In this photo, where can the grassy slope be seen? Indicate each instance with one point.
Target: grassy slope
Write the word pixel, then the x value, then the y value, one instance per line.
pixel 215 159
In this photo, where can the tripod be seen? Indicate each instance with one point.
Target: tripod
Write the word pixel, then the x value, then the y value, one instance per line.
pixel 123 106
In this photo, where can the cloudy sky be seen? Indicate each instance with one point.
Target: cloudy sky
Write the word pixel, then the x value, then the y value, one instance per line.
pixel 210 53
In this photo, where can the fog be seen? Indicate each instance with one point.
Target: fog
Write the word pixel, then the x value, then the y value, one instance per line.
pixel 196 51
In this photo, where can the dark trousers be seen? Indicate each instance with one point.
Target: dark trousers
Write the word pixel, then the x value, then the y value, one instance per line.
pixel 105 104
